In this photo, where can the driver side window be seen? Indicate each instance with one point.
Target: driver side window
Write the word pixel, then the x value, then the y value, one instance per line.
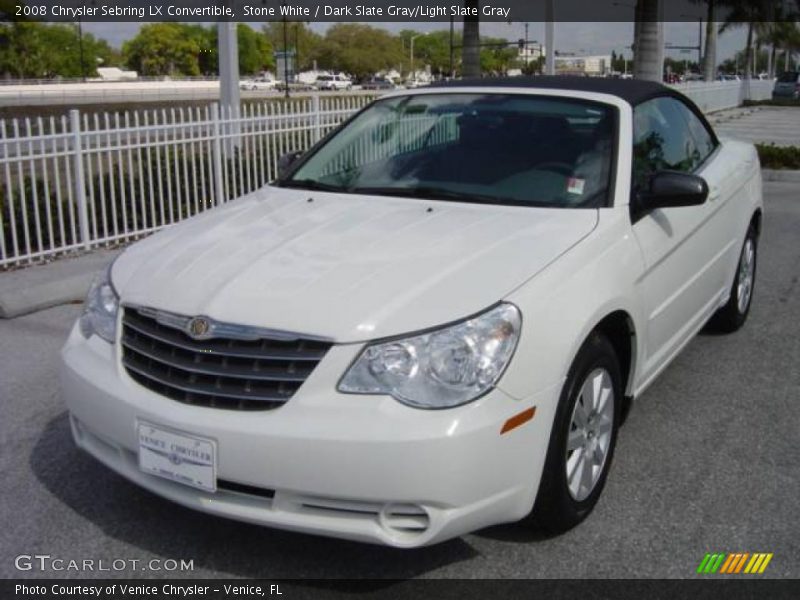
pixel 662 139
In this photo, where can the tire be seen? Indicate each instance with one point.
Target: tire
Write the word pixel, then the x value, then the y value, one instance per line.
pixel 732 316
pixel 565 500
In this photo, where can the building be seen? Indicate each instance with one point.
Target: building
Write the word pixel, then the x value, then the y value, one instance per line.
pixel 597 66
pixel 530 53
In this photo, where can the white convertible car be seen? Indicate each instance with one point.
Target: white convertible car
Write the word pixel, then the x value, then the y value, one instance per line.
pixel 431 322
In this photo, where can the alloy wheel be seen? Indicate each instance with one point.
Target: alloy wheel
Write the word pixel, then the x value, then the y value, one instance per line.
pixel 747 269
pixel 590 433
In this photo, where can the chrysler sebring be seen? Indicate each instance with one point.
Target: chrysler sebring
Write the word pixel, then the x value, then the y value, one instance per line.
pixel 431 322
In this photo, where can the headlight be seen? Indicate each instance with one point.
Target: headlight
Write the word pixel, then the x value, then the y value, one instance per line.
pixel 100 309
pixel 441 368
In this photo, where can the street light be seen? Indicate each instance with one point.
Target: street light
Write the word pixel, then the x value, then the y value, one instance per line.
pixel 699 39
pixel 80 45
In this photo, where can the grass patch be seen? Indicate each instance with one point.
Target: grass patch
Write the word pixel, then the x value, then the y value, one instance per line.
pixel 779 157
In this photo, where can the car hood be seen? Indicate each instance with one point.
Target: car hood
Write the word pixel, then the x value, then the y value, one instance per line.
pixel 345 267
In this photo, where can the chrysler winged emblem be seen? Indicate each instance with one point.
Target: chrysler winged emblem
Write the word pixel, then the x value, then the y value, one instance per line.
pixel 198 328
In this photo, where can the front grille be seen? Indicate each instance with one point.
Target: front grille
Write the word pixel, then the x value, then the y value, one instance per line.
pixel 221 372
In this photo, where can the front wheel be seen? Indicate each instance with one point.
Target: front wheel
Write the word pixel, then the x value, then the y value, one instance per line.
pixel 583 439
pixel 732 316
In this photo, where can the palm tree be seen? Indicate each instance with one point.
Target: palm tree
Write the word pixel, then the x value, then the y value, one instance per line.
pixel 787 36
pixel 709 65
pixel 648 41
pixel 743 13
pixel 758 16
pixel 470 49
pixel 710 54
pixel 769 33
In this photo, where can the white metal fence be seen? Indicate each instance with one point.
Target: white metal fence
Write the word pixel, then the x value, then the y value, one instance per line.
pixel 84 181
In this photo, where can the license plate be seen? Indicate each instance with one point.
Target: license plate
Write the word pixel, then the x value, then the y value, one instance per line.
pixel 178 456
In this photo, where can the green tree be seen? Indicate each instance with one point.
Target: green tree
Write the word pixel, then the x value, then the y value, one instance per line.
pixel 750 14
pixel 497 56
pixel 300 38
pixel 36 50
pixel 432 49
pixel 255 50
pixel 359 50
pixel 164 49
pixel 777 35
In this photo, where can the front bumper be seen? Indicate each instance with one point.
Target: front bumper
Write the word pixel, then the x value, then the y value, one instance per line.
pixel 365 468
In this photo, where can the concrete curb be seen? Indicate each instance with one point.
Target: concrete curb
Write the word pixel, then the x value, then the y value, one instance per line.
pixel 780 175
pixel 44 286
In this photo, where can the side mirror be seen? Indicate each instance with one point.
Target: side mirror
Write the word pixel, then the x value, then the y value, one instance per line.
pixel 673 188
pixel 285 163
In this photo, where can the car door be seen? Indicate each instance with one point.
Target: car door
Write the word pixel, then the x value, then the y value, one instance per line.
pixel 684 248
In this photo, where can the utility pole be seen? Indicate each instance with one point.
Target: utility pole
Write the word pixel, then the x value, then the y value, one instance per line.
pixel 527 54
pixel 80 49
pixel 700 43
pixel 549 38
pixel 296 49
pixel 229 98
pixel 452 37
pixel 285 54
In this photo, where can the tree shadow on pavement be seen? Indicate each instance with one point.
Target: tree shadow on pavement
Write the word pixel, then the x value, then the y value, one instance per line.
pixel 163 529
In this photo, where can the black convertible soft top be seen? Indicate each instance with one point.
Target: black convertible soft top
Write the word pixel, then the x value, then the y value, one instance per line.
pixel 633 91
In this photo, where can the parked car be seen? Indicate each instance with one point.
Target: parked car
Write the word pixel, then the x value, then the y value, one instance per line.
pixel 261 83
pixel 432 322
pixel 787 85
pixel 378 83
pixel 333 83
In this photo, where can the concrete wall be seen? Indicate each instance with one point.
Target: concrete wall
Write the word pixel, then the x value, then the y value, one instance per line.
pixel 709 97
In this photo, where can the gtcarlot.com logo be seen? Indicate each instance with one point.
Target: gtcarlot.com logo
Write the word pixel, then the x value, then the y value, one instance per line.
pixel 729 563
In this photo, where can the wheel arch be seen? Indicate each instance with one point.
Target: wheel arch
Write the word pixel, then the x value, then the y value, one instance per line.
pixel 756 221
pixel 618 327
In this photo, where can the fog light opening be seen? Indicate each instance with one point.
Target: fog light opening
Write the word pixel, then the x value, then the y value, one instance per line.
pixel 404 519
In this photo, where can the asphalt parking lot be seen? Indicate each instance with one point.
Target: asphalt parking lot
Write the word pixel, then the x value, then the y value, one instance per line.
pixel 708 460
pixel 777 125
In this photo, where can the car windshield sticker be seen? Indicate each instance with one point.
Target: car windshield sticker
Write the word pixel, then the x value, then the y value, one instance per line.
pixel 575 185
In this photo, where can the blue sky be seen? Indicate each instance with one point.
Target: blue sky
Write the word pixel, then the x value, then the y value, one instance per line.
pixel 589 38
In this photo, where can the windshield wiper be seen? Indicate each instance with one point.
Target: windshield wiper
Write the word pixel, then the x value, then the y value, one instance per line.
pixel 311 184
pixel 434 193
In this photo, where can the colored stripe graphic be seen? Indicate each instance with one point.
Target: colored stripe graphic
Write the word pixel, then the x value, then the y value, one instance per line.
pixel 703 563
pixel 711 562
pixel 728 562
pixel 767 558
pixel 740 564
pixel 734 563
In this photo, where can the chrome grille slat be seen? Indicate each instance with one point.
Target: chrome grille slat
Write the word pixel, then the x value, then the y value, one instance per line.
pixel 173 337
pixel 238 374
pixel 201 389
pixel 274 374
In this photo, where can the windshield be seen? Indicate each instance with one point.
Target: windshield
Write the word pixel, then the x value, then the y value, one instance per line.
pixel 488 148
